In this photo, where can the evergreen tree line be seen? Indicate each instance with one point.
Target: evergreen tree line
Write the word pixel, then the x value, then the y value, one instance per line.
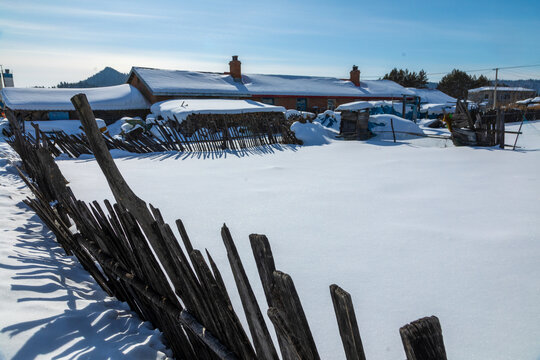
pixel 456 84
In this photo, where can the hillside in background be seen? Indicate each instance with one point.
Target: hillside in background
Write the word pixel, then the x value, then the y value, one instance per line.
pixel 529 84
pixel 106 77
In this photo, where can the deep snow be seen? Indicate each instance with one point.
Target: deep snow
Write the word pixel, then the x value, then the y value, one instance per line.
pixel 50 306
pixel 409 229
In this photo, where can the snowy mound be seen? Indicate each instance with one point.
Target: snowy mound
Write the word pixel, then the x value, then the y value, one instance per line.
pixel 329 119
pixel 296 113
pixel 181 109
pixel 381 126
pixel 313 133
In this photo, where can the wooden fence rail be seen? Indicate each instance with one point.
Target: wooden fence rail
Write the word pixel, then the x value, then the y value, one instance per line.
pixel 177 289
pixel 213 134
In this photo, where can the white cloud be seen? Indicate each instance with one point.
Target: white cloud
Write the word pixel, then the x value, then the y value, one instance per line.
pixel 75 11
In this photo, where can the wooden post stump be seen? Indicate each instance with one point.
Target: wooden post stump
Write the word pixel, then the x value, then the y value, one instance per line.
pixel 348 327
pixel 423 340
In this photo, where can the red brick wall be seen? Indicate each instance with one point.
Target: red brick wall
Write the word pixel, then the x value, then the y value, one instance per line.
pixel 314 103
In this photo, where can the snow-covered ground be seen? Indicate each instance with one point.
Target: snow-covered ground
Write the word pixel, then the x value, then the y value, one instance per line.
pixel 50 307
pixel 410 229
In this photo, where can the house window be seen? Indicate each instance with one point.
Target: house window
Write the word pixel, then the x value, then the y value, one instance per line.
pixel 268 100
pixel 301 104
pixel 58 115
pixel 486 96
pixel 331 104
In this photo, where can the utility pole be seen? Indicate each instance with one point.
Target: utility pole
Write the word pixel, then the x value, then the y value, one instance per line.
pixel 495 88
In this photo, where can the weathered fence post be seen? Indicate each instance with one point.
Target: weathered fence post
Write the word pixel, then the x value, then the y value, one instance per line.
pixel 348 327
pixel 262 252
pixel 423 340
pixel 287 301
pixel 259 332
pixel 500 128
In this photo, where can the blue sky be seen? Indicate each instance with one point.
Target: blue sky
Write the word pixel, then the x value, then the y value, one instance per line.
pixel 45 42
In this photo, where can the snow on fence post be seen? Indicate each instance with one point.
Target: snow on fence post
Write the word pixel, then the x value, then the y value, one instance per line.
pixel 348 327
pixel 423 340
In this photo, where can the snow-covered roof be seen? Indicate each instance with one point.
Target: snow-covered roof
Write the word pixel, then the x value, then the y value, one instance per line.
pixel 529 101
pixel 320 86
pixel 500 88
pixel 356 106
pixel 180 109
pixel 193 83
pixel 438 108
pixel 120 97
pixel 432 96
pixel 180 82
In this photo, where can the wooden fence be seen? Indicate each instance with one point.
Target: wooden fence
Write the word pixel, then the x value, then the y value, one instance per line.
pixel 472 128
pixel 179 291
pixel 200 132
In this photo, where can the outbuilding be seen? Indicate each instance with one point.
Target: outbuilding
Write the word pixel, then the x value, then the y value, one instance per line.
pixel 108 103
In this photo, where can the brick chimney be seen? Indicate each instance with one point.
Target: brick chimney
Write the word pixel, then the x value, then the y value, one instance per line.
pixel 235 68
pixel 355 76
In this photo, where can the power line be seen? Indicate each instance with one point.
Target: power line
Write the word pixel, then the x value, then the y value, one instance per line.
pixel 493 69
pixel 468 71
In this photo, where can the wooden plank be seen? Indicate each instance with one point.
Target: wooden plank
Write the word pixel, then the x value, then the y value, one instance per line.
pixel 292 345
pixel 259 332
pixel 262 252
pixel 285 299
pixel 423 340
pixel 348 327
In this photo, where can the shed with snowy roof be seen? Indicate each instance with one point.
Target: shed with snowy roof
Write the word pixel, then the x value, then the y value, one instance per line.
pixel 108 103
pixel 304 93
pixel 223 121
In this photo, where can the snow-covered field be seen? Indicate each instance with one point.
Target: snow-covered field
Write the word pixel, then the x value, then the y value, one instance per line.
pixel 50 308
pixel 410 229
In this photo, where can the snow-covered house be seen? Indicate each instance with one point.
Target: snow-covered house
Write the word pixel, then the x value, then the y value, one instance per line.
pixel 505 95
pixel 305 93
pixel 108 103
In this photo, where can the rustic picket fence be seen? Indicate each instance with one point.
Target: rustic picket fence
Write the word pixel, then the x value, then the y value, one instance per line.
pixel 205 132
pixel 182 293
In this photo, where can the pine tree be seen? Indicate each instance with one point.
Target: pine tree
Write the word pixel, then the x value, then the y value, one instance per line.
pixel 458 83
pixel 407 79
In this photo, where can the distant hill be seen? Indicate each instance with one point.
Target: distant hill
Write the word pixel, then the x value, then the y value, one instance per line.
pixel 106 77
pixel 529 84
